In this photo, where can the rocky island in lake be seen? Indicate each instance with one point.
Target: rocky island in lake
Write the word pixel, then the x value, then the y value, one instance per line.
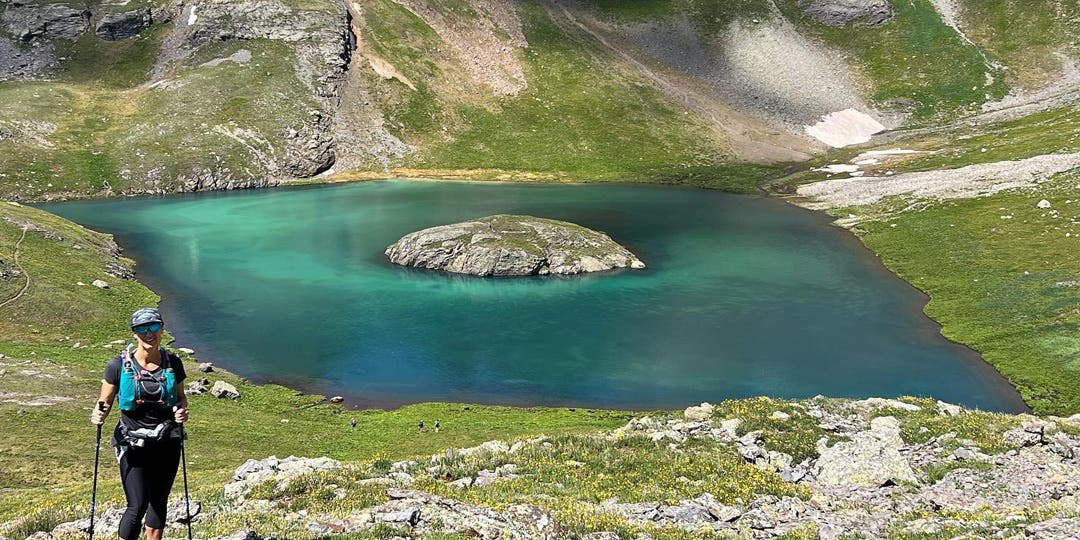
pixel 508 245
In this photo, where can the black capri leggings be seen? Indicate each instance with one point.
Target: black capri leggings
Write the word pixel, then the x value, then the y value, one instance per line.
pixel 147 475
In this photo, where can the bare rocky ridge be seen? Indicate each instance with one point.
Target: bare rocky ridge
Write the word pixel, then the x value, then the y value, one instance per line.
pixel 506 245
pixel 964 182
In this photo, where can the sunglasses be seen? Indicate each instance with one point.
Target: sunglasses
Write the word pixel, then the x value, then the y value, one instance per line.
pixel 147 328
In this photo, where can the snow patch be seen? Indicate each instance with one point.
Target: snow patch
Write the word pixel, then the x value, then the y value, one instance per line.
pixel 844 128
pixel 192 18
pixel 838 168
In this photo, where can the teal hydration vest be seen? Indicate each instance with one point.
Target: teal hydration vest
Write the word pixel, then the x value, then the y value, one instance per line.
pixel 131 383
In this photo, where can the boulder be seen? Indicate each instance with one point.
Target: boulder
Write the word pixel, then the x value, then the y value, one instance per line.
pixel 117 26
pixel 842 12
pixel 100 284
pixel 948 409
pixel 871 458
pixel 699 413
pixel 1044 204
pixel 224 390
pixel 508 245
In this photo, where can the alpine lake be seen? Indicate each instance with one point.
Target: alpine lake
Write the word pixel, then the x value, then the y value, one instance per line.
pixel 742 296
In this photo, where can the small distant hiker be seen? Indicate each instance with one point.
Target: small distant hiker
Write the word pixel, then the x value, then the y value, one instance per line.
pixel 354 423
pixel 420 426
pixel 150 384
pixel 436 426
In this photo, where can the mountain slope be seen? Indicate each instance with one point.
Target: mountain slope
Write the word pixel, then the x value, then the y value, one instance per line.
pixel 157 96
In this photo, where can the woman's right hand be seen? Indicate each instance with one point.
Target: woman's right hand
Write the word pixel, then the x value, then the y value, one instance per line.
pixel 97 416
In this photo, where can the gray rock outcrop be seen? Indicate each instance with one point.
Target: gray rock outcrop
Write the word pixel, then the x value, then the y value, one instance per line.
pixel 254 472
pixel 128 24
pixel 508 245
pixel 26 22
pixel 319 39
pixel 7 271
pixel 872 458
pixel 841 12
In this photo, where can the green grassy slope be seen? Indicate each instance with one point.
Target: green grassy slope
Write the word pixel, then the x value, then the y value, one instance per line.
pixel 578 118
pixel 1006 287
pixel 1024 35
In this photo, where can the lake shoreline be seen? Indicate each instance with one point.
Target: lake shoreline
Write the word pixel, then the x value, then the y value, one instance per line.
pixel 357 400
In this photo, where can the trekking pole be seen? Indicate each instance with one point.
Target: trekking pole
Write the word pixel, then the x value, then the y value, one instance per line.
pixel 97 455
pixel 187 500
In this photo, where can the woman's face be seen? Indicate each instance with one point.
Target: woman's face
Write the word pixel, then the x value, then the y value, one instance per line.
pixel 148 335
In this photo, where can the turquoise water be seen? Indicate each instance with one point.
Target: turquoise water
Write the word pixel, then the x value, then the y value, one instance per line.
pixel 742 296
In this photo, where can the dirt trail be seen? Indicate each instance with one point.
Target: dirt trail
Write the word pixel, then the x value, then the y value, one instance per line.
pixel 26 286
pixel 750 140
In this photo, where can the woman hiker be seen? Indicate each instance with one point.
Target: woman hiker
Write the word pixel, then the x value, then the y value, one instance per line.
pixel 150 383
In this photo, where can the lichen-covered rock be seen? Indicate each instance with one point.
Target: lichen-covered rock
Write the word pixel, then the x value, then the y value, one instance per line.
pixel 508 245
pixel 841 12
pixel 872 458
pixel 254 472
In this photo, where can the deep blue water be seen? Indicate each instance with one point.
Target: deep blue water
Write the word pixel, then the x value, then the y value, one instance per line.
pixel 742 296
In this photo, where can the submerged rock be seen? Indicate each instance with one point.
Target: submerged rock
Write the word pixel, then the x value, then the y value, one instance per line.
pixel 507 245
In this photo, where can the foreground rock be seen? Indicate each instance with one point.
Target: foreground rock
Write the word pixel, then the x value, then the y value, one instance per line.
pixel 877 479
pixel 507 245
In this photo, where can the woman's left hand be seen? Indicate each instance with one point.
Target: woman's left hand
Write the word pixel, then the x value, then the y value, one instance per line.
pixel 180 414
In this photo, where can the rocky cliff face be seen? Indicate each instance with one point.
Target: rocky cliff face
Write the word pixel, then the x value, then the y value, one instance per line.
pixel 30 30
pixel 511 246
pixel 319 39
